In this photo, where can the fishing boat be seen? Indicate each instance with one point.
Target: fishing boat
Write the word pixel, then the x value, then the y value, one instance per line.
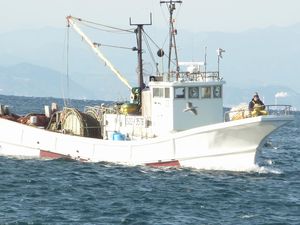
pixel 175 118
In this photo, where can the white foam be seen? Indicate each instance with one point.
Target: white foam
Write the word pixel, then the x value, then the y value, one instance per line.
pixel 265 170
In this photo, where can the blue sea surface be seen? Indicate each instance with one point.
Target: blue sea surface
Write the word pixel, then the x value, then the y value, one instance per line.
pixel 70 192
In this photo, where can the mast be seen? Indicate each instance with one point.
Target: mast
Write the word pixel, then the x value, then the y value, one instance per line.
pixel 139 38
pixel 172 32
pixel 140 55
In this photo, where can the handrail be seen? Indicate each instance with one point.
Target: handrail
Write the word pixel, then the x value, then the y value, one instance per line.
pixel 243 113
pixel 209 76
pixel 279 109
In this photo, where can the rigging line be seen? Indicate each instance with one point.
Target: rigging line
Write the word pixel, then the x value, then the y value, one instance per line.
pixel 108 31
pixel 63 60
pixel 66 100
pixel 153 58
pixel 99 24
pixel 172 61
pixel 149 48
pixel 167 36
pixel 97 51
pixel 112 46
pixel 177 12
pixel 167 23
pixel 163 13
pixel 151 40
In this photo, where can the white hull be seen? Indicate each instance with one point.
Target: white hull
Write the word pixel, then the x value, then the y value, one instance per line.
pixel 225 146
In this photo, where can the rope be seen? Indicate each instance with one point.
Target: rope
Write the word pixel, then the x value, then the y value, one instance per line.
pixel 151 40
pixel 164 15
pixel 102 25
pixel 112 46
pixel 66 101
pixel 108 31
pixel 149 49
pixel 65 59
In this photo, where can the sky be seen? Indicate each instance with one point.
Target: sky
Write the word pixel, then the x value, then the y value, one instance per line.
pixel 193 15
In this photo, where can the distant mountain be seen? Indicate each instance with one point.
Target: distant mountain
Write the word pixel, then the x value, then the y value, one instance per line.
pixel 29 80
pixel 47 47
pixel 264 60
pixel 267 56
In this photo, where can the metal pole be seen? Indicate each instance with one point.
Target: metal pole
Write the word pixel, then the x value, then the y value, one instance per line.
pixel 140 56
pixel 170 42
pixel 218 66
pixel 205 61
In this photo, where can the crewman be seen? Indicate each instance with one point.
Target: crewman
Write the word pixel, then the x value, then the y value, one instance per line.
pixel 256 106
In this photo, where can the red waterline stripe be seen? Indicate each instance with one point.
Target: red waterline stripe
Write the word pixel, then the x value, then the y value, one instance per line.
pixel 174 163
pixel 52 155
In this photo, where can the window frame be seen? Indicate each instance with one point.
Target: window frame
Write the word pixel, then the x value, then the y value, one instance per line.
pixel 215 95
pixel 180 95
pixel 193 95
pixel 205 94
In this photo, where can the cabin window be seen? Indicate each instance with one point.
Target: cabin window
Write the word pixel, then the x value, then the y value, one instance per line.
pixel 217 91
pixel 179 92
pixel 193 92
pixel 206 92
pixel 167 92
pixel 155 92
pixel 158 92
pixel 161 92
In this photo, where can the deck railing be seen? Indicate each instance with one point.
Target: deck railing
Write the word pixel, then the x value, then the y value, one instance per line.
pixel 200 76
pixel 242 113
pixel 209 76
pixel 279 110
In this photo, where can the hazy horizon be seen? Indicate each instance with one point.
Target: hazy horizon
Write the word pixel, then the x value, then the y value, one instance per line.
pixel 193 15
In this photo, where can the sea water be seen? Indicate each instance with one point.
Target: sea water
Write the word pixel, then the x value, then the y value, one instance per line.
pixel 70 192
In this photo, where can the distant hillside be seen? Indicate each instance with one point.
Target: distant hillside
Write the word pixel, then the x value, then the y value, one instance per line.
pixel 264 60
pixel 267 56
pixel 29 80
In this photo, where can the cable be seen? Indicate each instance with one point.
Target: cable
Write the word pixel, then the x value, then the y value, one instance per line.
pixel 99 24
pixel 149 49
pixel 163 13
pixel 112 46
pixel 151 40
pixel 108 31
pixel 67 101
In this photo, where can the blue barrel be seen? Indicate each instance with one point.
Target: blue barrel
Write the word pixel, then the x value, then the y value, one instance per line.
pixel 118 136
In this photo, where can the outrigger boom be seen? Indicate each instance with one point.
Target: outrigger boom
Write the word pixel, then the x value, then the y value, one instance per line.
pixel 71 21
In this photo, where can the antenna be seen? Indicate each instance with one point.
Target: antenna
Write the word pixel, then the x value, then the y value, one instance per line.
pixel 220 51
pixel 139 48
pixel 205 60
pixel 172 32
